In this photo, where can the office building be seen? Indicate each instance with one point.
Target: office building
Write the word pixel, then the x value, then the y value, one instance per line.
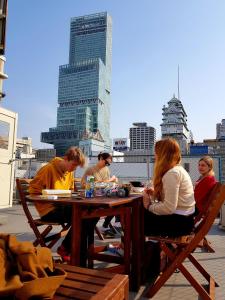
pixel 142 137
pixel 84 86
pixel 174 123
pixel 218 148
pixel 220 130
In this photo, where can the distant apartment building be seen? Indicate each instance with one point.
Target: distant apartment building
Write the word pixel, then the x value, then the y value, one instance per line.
pixel 142 137
pixel 45 154
pixel 84 91
pixel 218 147
pixel 24 148
pixel 174 123
pixel 220 130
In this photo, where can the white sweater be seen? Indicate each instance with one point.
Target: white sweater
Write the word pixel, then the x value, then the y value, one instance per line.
pixel 178 194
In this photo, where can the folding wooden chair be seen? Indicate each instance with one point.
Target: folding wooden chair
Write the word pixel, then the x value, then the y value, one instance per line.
pixel 178 249
pixel 43 238
pixel 205 243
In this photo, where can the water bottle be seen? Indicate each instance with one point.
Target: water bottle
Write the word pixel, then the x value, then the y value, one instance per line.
pixel 89 187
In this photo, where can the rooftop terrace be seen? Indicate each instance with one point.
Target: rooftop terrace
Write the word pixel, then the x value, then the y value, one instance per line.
pixel 176 288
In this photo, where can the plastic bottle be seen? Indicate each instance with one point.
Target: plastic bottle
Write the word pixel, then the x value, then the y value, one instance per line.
pixel 89 187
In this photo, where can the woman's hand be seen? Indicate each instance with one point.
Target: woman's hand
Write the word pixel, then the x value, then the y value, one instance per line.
pixel 149 191
pixel 114 179
pixel 146 199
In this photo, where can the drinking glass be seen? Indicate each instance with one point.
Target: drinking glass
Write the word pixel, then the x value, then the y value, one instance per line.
pixel 148 184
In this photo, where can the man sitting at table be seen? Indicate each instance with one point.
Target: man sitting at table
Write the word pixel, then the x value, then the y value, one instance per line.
pixel 58 174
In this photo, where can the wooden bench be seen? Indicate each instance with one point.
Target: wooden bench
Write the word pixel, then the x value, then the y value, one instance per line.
pixel 82 283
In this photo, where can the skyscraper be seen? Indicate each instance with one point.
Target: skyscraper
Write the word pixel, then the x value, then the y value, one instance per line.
pixel 84 85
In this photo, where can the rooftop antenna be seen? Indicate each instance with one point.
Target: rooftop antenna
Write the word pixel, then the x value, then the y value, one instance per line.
pixel 178 82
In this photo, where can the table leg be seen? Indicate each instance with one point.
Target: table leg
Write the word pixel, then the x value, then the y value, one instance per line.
pixel 137 245
pixel 127 239
pixel 76 235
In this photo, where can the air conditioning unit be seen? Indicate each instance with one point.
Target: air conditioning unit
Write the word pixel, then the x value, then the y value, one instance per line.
pixel 222 217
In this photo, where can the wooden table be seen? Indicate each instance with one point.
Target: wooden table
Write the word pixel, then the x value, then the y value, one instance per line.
pixel 85 208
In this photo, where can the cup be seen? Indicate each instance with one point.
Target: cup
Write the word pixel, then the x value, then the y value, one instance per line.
pixel 148 184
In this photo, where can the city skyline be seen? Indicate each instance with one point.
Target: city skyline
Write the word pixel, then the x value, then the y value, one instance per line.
pixel 149 41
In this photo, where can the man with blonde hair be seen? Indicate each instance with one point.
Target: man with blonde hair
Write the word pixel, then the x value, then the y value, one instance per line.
pixel 58 174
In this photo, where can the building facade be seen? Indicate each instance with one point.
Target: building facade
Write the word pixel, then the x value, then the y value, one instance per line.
pixel 174 123
pixel 218 148
pixel 24 148
pixel 45 154
pixel 142 137
pixel 220 130
pixel 84 84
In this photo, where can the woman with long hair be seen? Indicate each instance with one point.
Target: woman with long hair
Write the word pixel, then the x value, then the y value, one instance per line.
pixel 205 182
pixel 170 205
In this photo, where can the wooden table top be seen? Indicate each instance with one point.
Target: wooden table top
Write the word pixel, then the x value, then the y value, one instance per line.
pixel 82 201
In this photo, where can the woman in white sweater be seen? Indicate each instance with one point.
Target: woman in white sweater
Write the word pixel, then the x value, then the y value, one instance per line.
pixel 170 205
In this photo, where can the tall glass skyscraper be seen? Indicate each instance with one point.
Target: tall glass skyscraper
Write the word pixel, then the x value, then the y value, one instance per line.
pixel 84 85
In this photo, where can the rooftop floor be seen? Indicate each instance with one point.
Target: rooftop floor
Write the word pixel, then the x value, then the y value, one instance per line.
pixel 177 287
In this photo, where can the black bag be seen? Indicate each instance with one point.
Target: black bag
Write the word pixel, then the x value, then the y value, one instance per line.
pixel 152 260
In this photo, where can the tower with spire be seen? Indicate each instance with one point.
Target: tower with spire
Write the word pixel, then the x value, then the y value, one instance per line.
pixel 174 123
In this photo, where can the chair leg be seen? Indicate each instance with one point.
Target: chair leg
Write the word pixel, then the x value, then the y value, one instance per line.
pixel 210 294
pixel 198 287
pixel 201 269
pixel 112 228
pixel 206 245
pixel 40 236
pixel 177 263
pixel 44 240
pixel 53 239
pixel 100 236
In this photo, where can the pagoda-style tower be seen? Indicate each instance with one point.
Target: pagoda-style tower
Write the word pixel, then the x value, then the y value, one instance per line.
pixel 175 123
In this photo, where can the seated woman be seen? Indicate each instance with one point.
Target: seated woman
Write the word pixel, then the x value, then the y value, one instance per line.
pixel 101 173
pixel 170 205
pixel 205 183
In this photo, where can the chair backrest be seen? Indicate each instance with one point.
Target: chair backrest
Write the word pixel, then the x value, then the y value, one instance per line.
pixel 23 189
pixel 217 199
pixel 208 200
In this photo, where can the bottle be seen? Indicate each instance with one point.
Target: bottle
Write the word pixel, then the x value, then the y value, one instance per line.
pixel 89 187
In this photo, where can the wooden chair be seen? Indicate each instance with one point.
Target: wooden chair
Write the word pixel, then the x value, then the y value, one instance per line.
pixel 43 238
pixel 179 249
pixel 205 243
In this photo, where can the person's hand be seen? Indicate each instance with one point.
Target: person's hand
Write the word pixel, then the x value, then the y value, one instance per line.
pixel 146 200
pixel 114 178
pixel 149 191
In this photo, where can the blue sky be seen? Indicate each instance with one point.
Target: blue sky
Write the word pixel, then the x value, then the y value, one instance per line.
pixel 150 38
